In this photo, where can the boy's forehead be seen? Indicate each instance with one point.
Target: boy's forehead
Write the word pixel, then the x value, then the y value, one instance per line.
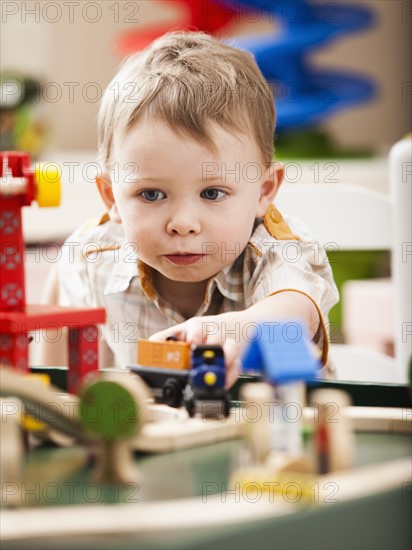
pixel 153 140
pixel 155 154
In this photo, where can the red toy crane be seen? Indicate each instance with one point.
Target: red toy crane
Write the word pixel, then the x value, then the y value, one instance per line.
pixel 19 186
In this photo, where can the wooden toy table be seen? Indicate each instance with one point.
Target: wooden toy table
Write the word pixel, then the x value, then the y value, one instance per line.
pixel 181 501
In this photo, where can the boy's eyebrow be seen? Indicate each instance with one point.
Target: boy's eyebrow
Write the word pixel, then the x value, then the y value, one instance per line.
pixel 151 178
pixel 222 178
pixel 138 179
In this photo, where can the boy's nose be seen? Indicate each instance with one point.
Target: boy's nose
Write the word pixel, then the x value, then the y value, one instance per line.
pixel 183 222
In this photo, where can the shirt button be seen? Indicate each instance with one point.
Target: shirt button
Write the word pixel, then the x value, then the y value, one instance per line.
pixel 274 216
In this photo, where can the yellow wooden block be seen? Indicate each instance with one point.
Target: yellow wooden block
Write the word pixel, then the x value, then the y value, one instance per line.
pixel 48 184
pixel 29 422
pixel 290 486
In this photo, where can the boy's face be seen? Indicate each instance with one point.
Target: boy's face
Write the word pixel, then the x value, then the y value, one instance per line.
pixel 189 212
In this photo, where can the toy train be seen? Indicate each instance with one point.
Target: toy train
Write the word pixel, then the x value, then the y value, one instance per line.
pixel 206 393
pixel 178 373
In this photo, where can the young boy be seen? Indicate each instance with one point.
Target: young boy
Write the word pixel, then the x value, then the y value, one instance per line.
pixel 191 245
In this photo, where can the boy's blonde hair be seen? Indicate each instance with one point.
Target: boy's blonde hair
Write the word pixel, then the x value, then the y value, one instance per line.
pixel 188 80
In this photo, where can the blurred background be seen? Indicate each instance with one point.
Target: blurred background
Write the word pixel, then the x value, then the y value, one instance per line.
pixel 73 50
pixel 341 70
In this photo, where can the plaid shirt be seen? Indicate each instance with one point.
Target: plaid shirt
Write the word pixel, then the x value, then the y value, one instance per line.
pixel 99 268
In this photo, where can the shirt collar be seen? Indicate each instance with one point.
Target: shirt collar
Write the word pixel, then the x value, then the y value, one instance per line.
pixel 230 281
pixel 124 270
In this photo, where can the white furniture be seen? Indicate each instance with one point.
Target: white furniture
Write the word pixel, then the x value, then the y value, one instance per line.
pixel 400 176
pixel 354 218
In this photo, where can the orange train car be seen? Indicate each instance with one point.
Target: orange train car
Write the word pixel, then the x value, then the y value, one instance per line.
pixel 176 371
pixel 164 366
pixel 168 354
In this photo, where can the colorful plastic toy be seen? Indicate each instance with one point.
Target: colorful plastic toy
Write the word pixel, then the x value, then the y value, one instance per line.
pixel 304 95
pixel 283 354
pixel 169 354
pixel 23 121
pixel 20 185
pixel 334 443
pixel 175 372
pixel 205 392
pixel 208 16
pixel 164 366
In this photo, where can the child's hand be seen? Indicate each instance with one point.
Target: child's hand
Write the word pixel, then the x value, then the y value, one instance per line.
pixel 209 330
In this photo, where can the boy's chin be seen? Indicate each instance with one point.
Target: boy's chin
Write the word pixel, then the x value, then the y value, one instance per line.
pixel 186 277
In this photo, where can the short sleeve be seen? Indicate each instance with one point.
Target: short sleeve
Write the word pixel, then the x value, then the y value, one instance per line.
pixel 300 266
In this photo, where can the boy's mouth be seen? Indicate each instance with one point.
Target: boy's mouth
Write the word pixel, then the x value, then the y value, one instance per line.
pixel 184 259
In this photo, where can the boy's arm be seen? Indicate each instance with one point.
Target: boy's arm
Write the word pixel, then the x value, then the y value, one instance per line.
pixel 234 329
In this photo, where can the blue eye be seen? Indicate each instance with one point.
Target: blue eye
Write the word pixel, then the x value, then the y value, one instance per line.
pixel 152 195
pixel 213 194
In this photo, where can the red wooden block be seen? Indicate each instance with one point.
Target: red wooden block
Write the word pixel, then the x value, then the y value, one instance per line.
pixel 83 354
pixel 36 317
pixel 14 351
pixel 12 292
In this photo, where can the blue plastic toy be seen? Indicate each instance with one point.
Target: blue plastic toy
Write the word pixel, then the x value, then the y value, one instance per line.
pixel 281 353
pixel 304 96
pixel 206 392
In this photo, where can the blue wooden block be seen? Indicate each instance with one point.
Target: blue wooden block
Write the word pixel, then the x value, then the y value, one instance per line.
pixel 281 352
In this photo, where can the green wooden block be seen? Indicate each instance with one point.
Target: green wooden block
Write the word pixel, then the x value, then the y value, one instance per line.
pixel 108 410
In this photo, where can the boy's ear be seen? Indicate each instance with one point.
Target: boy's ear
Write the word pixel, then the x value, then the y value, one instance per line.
pixel 272 180
pixel 105 189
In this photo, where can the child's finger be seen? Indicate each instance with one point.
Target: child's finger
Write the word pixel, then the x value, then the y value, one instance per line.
pixel 194 332
pixel 177 332
pixel 231 350
pixel 232 373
